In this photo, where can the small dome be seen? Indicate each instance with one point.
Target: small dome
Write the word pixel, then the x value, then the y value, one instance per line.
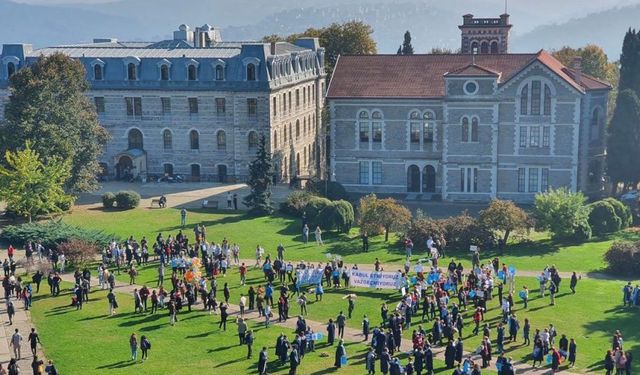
pixel 183 27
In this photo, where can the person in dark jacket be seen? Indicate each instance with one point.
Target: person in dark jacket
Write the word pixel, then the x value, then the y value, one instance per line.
pixel 428 360
pixel 418 362
pixel 340 352
pixel 572 352
pixel 294 361
pixel 394 367
pixel 385 359
pixel 459 351
pixel 449 355
pixel 331 332
pixel 370 362
pixel 262 361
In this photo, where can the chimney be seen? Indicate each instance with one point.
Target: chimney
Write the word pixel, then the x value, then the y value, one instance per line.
pixel 577 68
pixel 273 48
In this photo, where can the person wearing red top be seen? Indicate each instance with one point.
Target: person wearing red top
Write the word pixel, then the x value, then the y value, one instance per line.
pixel 10 251
pixel 243 274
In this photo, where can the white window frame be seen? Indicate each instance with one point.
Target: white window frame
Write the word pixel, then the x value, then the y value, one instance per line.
pixel 370 179
pixel 195 65
pixel 530 172
pixel 161 63
pixel 469 179
pixel 131 60
pixel 368 123
pixel 525 133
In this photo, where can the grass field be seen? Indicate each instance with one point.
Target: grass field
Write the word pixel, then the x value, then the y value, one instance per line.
pixel 270 231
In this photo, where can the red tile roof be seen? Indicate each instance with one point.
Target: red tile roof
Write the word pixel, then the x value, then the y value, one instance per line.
pixel 472 70
pixel 421 76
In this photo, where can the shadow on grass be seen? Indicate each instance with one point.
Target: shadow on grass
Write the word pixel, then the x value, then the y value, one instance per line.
pixel 120 364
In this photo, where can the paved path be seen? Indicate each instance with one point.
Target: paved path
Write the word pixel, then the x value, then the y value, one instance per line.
pixel 21 321
pixel 350 334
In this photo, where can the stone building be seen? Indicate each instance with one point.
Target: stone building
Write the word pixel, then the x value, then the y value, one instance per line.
pixel 196 105
pixel 472 126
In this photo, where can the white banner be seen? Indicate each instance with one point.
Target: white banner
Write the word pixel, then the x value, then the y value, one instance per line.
pixel 372 279
pixel 310 276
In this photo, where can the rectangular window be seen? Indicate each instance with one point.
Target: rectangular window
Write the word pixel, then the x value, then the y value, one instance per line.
pixel 534 136
pixel 468 180
pixel 521 179
pixel 546 135
pixel 99 102
pixel 427 133
pixel 252 106
pixel 462 173
pixel 544 180
pixel 275 107
pixel 535 97
pixel 134 107
pixel 166 105
pixel 297 98
pixel 415 132
pixel 533 180
pixel 376 167
pixel 523 136
pixel 193 106
pixel 364 173
pixel 377 132
pixel 221 106
pixel 364 132
pixel 290 107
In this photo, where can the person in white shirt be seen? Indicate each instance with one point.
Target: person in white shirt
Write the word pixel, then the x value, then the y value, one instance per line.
pixel 318 234
pixel 16 342
pixel 429 242
pixel 259 253
pixel 242 304
pixel 506 308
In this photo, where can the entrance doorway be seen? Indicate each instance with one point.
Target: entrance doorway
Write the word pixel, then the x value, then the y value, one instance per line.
pixel 429 179
pixel 413 179
pixel 222 173
pixel 124 168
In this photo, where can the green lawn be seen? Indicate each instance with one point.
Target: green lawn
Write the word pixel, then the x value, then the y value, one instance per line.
pixel 90 342
pixel 270 231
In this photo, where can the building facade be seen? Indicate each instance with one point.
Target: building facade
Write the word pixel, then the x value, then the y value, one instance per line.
pixel 468 126
pixel 196 106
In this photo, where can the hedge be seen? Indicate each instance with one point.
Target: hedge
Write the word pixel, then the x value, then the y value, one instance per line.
pixel 108 200
pixel 51 234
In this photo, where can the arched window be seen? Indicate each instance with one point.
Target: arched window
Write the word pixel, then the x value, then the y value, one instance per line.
pixel 297 164
pixel 290 132
pixel 465 129
pixel 484 48
pixel 167 139
pixel 192 72
pixel 494 47
pixel 251 72
pixel 363 126
pixel 11 69
pixel 194 140
pixel 297 128
pixel 547 100
pixel 221 140
pixel 304 156
pixel 376 126
pixel 304 126
pixel 427 132
pixel 131 72
pixel 275 139
pixel 474 48
pixel 135 139
pixel 284 133
pixel 253 140
pixel 97 72
pixel 474 129
pixel 595 124
pixel 164 72
pixel 524 100
pixel 535 97
pixel 219 73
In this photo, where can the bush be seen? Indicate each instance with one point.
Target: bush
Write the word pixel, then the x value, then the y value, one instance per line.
pixel 338 215
pixel 561 212
pixel 78 252
pixel 624 258
pixel 296 202
pixel 314 208
pixel 127 199
pixel 108 200
pixel 422 227
pixel 51 234
pixel 582 232
pixel 603 218
pixel 329 189
pixel 464 230
pixel 622 211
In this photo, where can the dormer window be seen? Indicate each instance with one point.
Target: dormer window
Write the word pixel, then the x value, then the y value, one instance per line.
pixel 164 73
pixel 219 72
pixel 251 72
pixel 132 72
pixel 97 72
pixel 192 73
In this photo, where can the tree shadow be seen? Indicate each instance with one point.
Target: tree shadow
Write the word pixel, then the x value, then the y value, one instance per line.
pixel 115 365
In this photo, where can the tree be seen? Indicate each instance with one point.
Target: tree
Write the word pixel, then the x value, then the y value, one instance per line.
pixel 624 140
pixel 504 216
pixel 399 51
pixel 260 181
pixel 407 48
pixel 594 61
pixel 562 212
pixel 78 252
pixel 49 108
pixel 349 38
pixel 31 186
pixel 630 62
pixel 383 214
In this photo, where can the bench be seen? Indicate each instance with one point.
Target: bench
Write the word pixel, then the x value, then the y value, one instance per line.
pixel 155 202
pixel 210 204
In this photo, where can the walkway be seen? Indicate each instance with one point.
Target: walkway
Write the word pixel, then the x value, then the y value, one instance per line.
pixel 350 334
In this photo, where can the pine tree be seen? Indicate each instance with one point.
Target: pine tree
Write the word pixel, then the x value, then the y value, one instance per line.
pixel 399 50
pixel 260 181
pixel 624 140
pixel 407 48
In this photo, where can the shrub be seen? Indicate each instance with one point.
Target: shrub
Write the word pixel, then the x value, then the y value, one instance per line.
pixel 296 202
pixel 603 218
pixel 582 232
pixel 51 234
pixel 108 200
pixel 344 216
pixel 314 208
pixel 383 215
pixel 561 212
pixel 624 258
pixel 127 199
pixel 464 230
pixel 329 189
pixel 78 252
pixel 622 211
pixel 422 227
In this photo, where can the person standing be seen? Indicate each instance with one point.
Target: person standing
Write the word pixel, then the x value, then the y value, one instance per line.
pixel 11 311
pixel 341 320
pixel 248 339
pixel 16 343
pixel 183 218
pixel 352 304
pixel 331 332
pixel 573 283
pixel 235 201
pixel 34 339
pixel 223 316
pixel 229 200
pixel 263 359
pixel 341 353
pixel 113 305
pixel 37 365
pixel 133 344
pixel 573 348
pixel 242 330
pixel 365 241
pixel 525 332
pixel 370 362
pixel 318 234
pixel 242 303
pixel 173 312
pixel 365 328
pixel 160 274
pixel 294 360
pixel 145 345
pixel 305 234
